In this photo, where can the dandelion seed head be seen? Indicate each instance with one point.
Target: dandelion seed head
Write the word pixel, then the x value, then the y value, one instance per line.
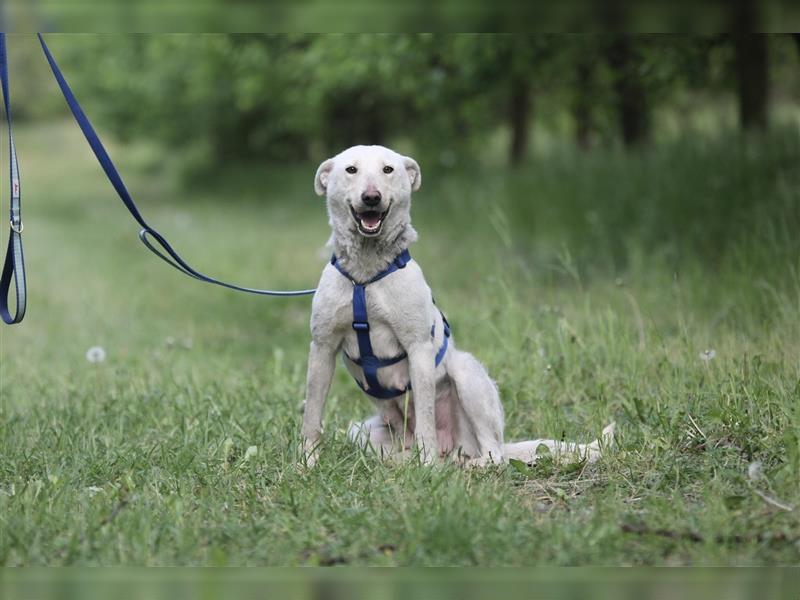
pixel 96 354
pixel 707 355
pixel 755 471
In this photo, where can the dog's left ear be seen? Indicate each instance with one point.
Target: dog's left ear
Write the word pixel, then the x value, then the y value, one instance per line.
pixel 414 174
pixel 321 178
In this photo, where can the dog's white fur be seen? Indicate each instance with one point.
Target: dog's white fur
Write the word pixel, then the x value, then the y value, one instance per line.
pixel 454 409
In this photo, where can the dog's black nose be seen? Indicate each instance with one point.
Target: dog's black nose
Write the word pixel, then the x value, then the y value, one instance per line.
pixel 371 198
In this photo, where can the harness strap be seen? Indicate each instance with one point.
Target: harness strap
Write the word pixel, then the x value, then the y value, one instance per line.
pixel 14 263
pixel 164 250
pixel 367 360
pixel 399 262
pixel 385 362
pixel 443 349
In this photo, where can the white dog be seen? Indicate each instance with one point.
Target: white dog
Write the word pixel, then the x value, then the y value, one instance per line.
pixel 373 305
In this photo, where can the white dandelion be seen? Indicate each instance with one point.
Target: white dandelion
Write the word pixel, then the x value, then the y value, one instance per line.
pixel 707 355
pixel 96 354
pixel 755 471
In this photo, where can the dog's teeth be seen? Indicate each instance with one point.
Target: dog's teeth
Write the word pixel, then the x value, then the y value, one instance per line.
pixel 372 226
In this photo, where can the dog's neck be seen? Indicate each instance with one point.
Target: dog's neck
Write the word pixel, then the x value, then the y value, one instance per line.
pixel 363 257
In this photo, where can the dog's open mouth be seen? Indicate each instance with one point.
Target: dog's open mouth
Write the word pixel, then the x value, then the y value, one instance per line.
pixel 369 221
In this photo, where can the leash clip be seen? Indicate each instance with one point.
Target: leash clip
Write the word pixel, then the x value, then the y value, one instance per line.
pixel 17 227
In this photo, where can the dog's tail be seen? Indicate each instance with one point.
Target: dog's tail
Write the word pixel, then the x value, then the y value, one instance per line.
pixel 527 451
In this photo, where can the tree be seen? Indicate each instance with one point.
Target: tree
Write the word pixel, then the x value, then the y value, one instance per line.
pixel 750 51
pixel 506 71
pixel 524 56
pixel 582 105
pixel 752 80
pixel 631 97
pixel 519 117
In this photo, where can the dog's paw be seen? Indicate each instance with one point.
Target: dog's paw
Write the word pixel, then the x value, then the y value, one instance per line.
pixel 492 458
pixel 309 453
pixel 476 463
pixel 607 436
pixel 606 439
pixel 428 458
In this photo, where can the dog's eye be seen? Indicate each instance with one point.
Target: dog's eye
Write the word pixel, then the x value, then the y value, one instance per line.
pixel 388 169
pixel 351 170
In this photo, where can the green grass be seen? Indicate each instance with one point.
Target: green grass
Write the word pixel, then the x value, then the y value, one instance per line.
pixel 588 284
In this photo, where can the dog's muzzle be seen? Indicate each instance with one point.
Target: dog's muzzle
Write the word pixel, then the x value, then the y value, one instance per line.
pixel 370 221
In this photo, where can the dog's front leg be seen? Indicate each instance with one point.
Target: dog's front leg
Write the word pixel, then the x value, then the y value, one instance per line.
pixel 321 365
pixel 421 362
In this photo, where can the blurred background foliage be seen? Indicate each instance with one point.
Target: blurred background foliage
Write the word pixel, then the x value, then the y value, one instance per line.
pixel 282 16
pixel 451 99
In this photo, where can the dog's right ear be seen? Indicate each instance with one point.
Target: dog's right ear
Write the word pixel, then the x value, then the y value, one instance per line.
pixel 321 178
pixel 414 174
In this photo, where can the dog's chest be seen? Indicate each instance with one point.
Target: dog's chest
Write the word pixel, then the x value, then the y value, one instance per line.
pixel 399 313
pixel 384 341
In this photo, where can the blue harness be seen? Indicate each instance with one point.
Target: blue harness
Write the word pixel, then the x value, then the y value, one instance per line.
pixel 367 360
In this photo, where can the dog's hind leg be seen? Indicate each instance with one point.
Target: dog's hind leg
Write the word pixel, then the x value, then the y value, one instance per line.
pixel 527 451
pixel 480 404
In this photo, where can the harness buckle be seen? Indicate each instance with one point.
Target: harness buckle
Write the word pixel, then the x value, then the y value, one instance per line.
pixel 360 326
pixel 16 226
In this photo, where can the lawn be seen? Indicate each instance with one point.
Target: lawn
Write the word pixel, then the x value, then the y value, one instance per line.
pixel 659 289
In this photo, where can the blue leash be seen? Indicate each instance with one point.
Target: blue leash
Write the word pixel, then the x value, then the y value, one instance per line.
pixel 14 265
pixel 173 258
pixel 149 236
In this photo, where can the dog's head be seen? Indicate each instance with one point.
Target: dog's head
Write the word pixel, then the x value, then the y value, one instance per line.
pixel 368 189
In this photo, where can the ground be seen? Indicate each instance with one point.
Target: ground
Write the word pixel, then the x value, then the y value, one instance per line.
pixel 659 289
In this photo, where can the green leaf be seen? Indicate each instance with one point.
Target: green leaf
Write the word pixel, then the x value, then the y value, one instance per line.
pixel 520 467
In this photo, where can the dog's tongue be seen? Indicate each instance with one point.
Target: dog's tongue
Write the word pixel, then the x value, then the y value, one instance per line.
pixel 370 219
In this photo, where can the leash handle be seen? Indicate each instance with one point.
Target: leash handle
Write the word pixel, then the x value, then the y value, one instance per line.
pixel 150 237
pixel 14 264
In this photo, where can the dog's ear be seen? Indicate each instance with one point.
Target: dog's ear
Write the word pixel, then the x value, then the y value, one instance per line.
pixel 321 178
pixel 414 174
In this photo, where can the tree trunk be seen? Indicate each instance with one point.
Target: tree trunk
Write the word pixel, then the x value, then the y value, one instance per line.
pixel 750 51
pixel 582 107
pixel 631 98
pixel 519 118
pixel 753 80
